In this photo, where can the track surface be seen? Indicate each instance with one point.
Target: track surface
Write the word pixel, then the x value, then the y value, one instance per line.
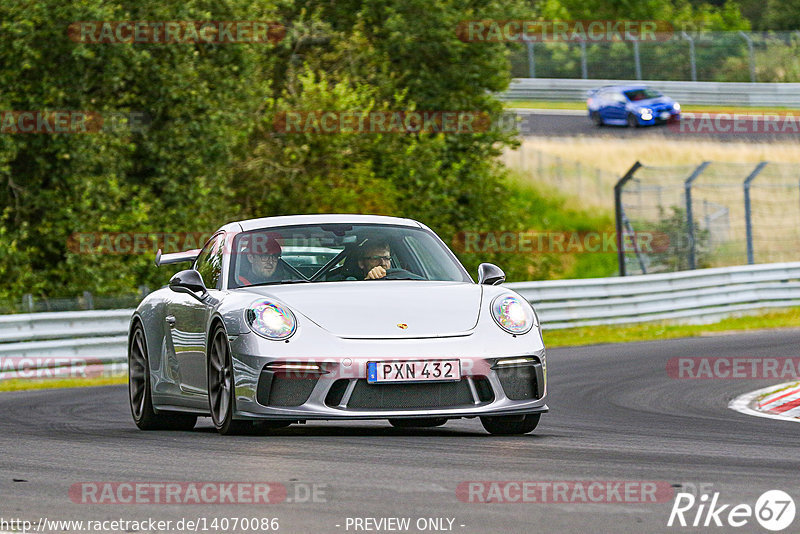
pixel 615 415
pixel 577 123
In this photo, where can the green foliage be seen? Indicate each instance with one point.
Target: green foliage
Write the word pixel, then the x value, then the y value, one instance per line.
pixel 210 152
pixel 169 177
pixel 781 15
pixel 776 60
pixel 672 230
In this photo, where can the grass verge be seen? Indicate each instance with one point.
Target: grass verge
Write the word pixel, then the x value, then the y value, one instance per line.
pixel 19 384
pixel 652 149
pixel 592 335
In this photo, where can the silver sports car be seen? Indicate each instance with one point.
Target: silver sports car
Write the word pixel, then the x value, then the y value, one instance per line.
pixel 287 319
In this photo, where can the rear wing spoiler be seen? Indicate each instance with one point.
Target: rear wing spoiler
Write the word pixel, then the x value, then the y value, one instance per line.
pixel 176 257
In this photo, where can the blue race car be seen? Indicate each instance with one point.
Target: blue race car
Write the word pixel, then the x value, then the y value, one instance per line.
pixel 631 105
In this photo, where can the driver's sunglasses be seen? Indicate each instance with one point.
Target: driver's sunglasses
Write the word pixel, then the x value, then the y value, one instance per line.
pixel 379 258
pixel 268 258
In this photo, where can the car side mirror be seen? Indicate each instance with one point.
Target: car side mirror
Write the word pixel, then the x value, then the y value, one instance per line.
pixel 189 281
pixel 490 274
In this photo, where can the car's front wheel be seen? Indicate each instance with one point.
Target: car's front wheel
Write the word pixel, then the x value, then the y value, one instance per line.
pixel 221 386
pixel 506 425
pixel 596 118
pixel 139 391
pixel 417 422
pixel 633 122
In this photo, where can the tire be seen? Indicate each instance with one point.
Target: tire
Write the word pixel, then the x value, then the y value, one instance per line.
pixel 221 386
pixel 596 118
pixel 413 422
pixel 633 122
pixel 139 391
pixel 508 425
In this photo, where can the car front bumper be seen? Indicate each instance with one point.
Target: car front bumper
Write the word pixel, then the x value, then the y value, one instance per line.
pixel 660 119
pixel 339 389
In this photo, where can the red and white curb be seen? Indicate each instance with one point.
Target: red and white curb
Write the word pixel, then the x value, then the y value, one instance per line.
pixel 774 402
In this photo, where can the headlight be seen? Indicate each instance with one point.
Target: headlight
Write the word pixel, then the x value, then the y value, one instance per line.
pixel 646 114
pixel 676 106
pixel 512 315
pixel 271 320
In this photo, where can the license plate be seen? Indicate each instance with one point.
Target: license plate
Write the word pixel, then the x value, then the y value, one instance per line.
pixel 413 371
pixel 665 114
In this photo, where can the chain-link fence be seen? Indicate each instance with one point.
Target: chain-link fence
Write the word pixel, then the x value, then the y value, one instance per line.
pixel 701 56
pixel 590 185
pixel 87 301
pixel 711 215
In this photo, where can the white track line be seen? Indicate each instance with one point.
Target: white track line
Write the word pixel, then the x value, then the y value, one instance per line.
pixel 538 111
pixel 742 403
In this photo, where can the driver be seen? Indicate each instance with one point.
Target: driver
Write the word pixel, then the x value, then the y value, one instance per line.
pixel 374 259
pixel 263 253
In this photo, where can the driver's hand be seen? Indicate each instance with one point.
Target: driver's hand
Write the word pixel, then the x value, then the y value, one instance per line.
pixel 375 273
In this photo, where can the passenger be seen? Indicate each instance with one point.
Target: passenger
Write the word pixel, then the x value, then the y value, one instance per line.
pixel 263 253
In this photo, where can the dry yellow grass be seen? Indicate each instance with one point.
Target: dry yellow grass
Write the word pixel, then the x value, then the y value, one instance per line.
pixel 586 168
pixel 617 155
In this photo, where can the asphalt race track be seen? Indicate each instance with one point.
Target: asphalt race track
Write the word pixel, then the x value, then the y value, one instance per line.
pixel 570 123
pixel 615 416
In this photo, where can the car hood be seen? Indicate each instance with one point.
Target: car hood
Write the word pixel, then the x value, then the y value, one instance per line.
pixel 383 308
pixel 650 102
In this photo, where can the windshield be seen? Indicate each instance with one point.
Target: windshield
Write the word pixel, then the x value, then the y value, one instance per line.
pixel 340 253
pixel 642 94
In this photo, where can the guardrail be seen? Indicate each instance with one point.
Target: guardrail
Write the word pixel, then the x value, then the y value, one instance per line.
pixel 693 93
pixel 54 339
pixel 64 344
pixel 698 295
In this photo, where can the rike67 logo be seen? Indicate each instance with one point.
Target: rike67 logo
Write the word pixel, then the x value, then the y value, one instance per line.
pixel 774 510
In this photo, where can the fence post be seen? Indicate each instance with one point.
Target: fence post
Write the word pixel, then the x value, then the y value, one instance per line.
pixel 531 60
pixel 635 244
pixel 752 55
pixel 618 214
pixel 692 59
pixel 584 67
pixel 687 185
pixel 27 303
pixel 636 59
pixel 748 223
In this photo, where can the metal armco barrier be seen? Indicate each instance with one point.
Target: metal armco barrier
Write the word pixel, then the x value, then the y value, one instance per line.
pixel 687 295
pixel 693 93
pixel 699 295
